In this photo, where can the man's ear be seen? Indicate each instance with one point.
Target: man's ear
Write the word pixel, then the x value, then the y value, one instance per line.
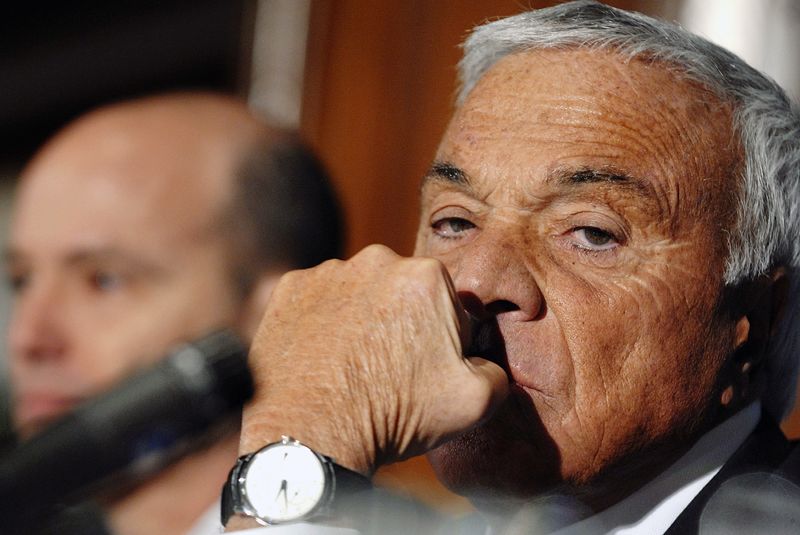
pixel 760 307
pixel 255 303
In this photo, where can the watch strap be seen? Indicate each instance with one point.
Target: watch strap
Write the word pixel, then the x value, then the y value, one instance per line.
pixel 226 500
pixel 348 481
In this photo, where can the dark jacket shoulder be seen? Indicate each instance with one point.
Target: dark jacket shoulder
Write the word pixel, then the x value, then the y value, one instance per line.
pixel 756 491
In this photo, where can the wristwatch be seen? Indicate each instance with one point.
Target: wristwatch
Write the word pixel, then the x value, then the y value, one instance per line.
pixel 287 481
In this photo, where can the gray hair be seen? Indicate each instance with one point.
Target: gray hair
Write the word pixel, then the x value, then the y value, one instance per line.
pixel 767 226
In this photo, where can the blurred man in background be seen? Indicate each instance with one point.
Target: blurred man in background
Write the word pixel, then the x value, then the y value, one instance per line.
pixel 141 225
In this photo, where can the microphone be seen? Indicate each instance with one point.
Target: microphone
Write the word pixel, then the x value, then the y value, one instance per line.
pixel 134 430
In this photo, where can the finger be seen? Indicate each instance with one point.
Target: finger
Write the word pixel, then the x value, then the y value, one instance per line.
pixel 487 390
pixel 464 320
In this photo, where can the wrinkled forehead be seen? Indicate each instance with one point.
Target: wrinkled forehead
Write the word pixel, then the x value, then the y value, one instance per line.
pixel 617 87
pixel 537 112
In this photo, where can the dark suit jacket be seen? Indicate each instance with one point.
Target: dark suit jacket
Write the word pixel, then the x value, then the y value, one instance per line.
pixel 756 492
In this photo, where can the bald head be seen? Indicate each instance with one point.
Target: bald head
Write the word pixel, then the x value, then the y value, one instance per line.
pixel 176 153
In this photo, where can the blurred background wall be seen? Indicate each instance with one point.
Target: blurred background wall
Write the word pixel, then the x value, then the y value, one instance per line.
pixel 369 83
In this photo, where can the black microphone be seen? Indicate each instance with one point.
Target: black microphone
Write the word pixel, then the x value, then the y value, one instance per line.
pixel 135 429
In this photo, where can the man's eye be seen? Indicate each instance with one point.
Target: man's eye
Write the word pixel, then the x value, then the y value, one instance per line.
pixel 451 227
pixel 17 282
pixel 594 239
pixel 105 281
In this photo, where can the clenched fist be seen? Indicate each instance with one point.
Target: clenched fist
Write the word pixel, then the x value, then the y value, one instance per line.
pixel 362 360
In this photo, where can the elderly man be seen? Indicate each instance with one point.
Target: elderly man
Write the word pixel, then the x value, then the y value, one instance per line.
pixel 145 224
pixel 599 330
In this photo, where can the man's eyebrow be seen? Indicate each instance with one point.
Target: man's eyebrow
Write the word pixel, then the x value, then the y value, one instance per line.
pixel 112 254
pixel 10 255
pixel 574 177
pixel 12 258
pixel 446 172
pixel 116 258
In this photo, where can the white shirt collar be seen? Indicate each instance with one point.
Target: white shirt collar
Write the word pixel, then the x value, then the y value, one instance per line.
pixel 654 507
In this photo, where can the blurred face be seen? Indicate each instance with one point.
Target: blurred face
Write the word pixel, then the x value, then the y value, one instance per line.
pixel 580 205
pixel 109 271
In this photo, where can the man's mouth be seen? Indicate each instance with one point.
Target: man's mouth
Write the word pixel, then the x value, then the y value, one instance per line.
pixel 35 411
pixel 487 341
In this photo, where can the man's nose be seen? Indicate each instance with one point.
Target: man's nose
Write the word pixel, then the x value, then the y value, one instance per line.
pixel 492 279
pixel 35 332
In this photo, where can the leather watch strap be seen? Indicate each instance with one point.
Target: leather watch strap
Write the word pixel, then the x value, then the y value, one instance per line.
pixel 349 481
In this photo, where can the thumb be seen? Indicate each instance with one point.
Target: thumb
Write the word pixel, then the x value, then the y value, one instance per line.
pixel 490 388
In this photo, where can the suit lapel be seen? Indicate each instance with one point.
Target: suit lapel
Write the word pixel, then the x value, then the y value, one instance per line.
pixel 763 451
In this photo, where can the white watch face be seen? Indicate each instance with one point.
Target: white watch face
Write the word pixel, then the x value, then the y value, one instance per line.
pixel 284 482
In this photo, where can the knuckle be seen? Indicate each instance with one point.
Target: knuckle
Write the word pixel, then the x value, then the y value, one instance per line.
pixel 431 265
pixel 330 265
pixel 415 277
pixel 288 284
pixel 427 271
pixel 376 251
pixel 289 279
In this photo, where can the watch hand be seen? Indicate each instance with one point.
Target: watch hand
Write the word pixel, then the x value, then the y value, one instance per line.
pixel 285 498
